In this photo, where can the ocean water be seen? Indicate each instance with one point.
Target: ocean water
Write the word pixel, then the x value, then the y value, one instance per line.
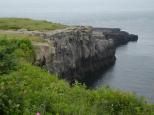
pixel 134 67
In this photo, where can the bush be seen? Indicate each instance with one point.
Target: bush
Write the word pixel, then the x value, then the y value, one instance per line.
pixel 13 50
pixel 8 60
pixel 30 90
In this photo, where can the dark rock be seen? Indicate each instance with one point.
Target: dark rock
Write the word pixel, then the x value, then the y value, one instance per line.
pixel 78 52
pixel 133 37
pixel 119 37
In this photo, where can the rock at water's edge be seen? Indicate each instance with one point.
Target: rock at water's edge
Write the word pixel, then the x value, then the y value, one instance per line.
pixel 78 52
pixel 81 51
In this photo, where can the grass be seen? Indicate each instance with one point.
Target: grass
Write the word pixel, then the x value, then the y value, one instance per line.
pixel 31 90
pixel 28 89
pixel 32 38
pixel 29 24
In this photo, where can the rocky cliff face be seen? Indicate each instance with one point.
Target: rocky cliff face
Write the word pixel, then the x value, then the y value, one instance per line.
pixel 78 52
pixel 75 53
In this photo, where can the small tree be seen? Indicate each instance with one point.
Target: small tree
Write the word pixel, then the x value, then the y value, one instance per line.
pixel 8 60
pixel 12 51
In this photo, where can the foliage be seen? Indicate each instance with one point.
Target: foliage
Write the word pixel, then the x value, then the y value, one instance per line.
pixel 7 58
pixel 32 38
pixel 10 50
pixel 29 24
pixel 30 89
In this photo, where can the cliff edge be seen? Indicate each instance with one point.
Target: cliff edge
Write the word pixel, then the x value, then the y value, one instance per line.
pixel 77 52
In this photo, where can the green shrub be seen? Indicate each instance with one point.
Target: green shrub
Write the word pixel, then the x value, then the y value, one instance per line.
pixel 30 90
pixel 8 60
pixel 11 50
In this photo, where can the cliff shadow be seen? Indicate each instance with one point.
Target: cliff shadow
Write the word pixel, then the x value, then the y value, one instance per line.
pixel 91 79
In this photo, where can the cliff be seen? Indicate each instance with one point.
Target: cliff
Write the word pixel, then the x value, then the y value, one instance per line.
pixel 78 52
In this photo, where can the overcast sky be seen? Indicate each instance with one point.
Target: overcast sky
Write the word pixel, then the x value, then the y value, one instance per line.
pixel 75 5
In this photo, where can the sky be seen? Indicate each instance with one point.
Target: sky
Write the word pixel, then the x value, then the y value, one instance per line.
pixel 75 5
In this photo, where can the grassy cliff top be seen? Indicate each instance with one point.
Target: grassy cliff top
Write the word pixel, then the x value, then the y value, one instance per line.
pixel 32 38
pixel 29 24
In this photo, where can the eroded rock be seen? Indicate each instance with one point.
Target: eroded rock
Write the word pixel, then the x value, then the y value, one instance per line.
pixel 77 52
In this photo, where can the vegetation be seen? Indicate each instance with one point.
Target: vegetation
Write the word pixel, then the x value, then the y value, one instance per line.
pixel 26 89
pixel 7 58
pixel 30 90
pixel 4 35
pixel 29 24
pixel 11 50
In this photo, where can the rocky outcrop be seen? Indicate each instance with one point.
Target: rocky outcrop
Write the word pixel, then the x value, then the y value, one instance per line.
pixel 119 37
pixel 78 52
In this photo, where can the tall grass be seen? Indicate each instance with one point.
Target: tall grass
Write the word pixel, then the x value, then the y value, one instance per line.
pixel 29 24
